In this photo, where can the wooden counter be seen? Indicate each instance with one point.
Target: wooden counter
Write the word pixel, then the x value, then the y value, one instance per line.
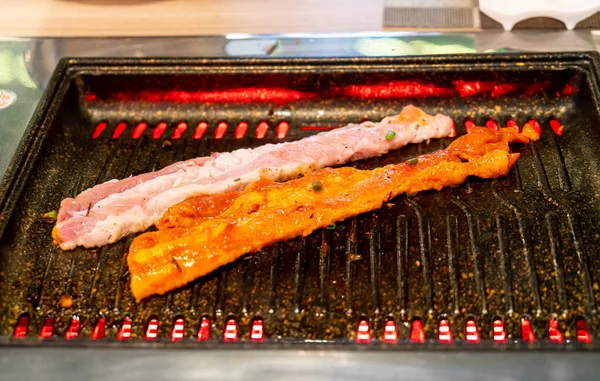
pixel 185 17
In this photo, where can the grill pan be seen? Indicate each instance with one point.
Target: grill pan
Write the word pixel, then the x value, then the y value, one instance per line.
pixel 452 269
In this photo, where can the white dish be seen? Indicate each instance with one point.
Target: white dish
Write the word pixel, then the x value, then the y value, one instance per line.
pixel 510 12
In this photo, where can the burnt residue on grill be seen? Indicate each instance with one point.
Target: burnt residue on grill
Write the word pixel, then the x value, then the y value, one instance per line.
pixel 521 246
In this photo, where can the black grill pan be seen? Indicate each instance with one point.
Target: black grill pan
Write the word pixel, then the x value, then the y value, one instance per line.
pixel 517 250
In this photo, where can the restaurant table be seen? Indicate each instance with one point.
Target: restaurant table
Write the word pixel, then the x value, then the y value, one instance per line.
pixel 26 65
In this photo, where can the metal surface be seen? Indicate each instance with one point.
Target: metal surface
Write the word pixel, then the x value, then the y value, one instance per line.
pixel 152 364
pixel 441 249
pixel 516 367
pixel 449 14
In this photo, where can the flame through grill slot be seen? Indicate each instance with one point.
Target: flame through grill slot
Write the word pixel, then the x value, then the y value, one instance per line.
pixel 364 333
pixel 220 130
pixel 281 129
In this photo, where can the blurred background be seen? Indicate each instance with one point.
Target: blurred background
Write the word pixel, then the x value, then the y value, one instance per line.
pixel 208 17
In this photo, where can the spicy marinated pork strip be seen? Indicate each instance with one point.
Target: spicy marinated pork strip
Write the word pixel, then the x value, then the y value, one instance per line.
pixel 112 210
pixel 193 242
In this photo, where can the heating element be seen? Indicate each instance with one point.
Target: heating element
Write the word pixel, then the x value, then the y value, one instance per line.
pixel 507 263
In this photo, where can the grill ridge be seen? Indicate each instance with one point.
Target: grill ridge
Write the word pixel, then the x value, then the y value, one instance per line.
pixel 275 252
pixel 100 264
pixel 424 251
pixel 324 266
pixel 123 275
pixel 221 285
pixel 527 249
pixel 452 244
pixel 300 269
pixel 564 181
pixel 402 261
pixel 505 263
pixel 552 226
pixel 351 249
pixel 36 303
pixel 573 223
pixel 474 244
pixel 375 265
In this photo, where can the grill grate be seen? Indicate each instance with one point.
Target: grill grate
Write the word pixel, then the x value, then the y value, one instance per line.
pixel 363 332
pixel 494 263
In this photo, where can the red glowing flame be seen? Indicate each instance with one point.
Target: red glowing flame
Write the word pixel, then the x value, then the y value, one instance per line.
pixel 535 125
pixel 119 130
pixel 152 330
pixel 48 328
pixel 557 127
pixel 526 331
pixel 159 130
pixel 444 332
pixel 200 130
pixel 583 334
pixel 139 130
pixel 240 130
pixel 391 90
pixel 363 332
pixel 472 333
pixel 492 125
pixel 469 125
pixel 390 333
pixel 261 130
pixel 554 331
pixel 282 129
pixel 382 90
pixel 512 124
pixel 204 331
pixel 417 334
pixel 231 331
pixel 220 130
pixel 499 332
pixel 177 332
pixel 22 327
pixel 125 330
pixel 179 130
pixel 236 95
pixel 73 331
pixel 99 329
pixel 257 334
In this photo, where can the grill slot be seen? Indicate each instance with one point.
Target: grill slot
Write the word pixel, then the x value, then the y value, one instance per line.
pixel 502 262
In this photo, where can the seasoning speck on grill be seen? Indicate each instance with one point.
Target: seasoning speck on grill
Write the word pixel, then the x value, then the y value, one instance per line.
pixel 66 301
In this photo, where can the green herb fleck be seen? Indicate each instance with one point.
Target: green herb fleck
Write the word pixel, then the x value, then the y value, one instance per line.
pixel 413 161
pixel 237 179
pixel 332 226
pixel 390 135
pixel 50 217
pixel 317 186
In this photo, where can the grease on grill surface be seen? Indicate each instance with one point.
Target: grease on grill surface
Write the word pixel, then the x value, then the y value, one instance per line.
pixel 519 246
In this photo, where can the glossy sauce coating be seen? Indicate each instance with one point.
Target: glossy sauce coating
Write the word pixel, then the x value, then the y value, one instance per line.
pixel 201 234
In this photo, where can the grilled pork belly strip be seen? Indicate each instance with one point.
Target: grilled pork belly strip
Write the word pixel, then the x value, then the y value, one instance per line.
pixel 204 233
pixel 112 210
